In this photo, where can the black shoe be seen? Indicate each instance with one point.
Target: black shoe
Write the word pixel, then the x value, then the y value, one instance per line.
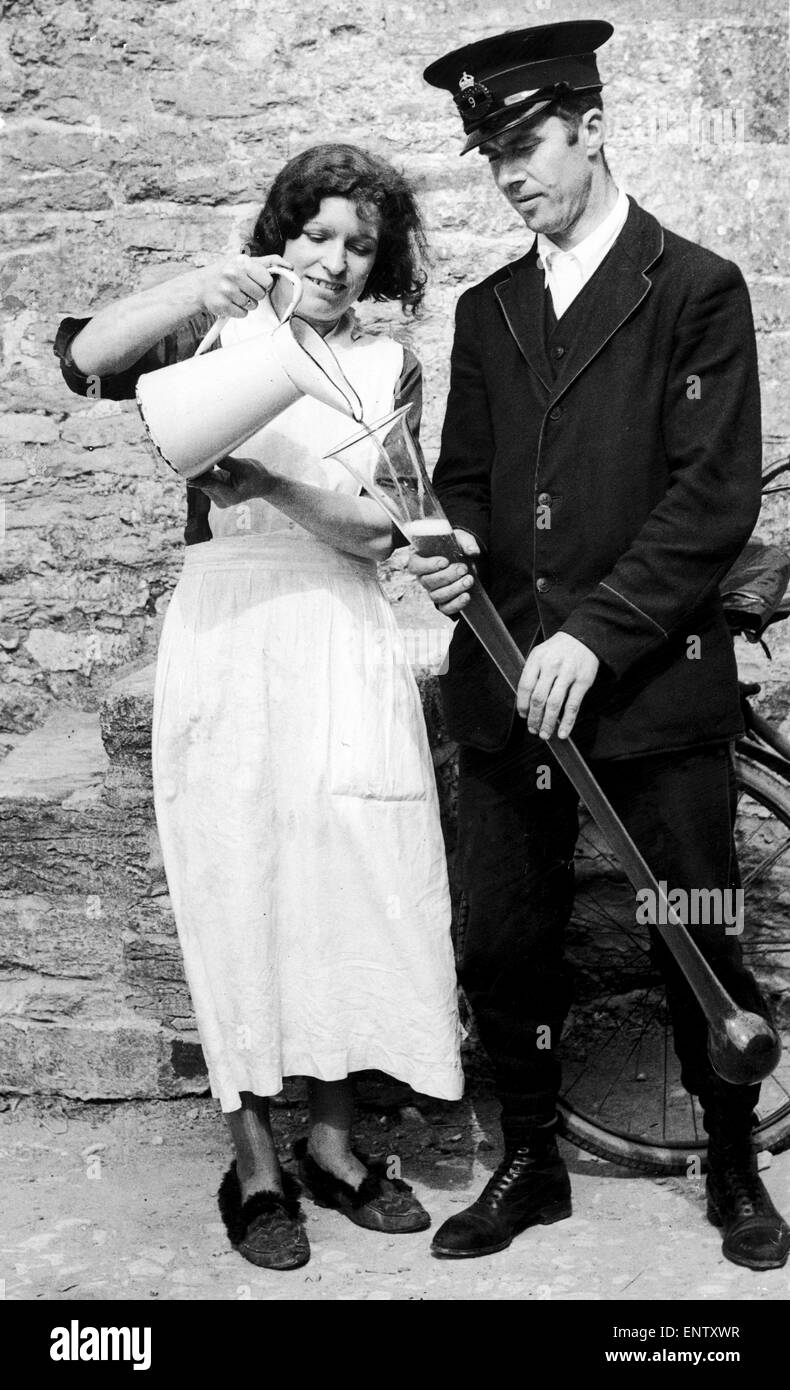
pixel 755 1235
pixel 379 1203
pixel 267 1229
pixel 530 1187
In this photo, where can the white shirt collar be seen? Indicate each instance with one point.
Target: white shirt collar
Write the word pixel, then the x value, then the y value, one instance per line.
pixel 590 252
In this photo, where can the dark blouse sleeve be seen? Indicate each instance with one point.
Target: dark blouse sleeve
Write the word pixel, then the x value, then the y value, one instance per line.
pixel 119 386
pixel 409 390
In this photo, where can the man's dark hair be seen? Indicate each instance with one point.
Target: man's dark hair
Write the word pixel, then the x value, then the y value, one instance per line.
pixel 344 171
pixel 570 109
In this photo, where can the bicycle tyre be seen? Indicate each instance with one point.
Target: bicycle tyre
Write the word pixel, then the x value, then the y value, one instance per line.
pixel 764 802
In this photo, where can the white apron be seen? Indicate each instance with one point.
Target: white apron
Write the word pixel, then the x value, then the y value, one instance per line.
pixel 294 787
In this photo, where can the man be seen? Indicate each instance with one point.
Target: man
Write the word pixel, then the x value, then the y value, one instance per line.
pixel 601 456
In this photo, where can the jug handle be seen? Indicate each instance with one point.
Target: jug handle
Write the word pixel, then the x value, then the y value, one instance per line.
pixel 218 325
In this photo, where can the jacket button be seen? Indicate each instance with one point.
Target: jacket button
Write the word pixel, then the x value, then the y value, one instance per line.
pixel 542 585
pixel 558 351
pixel 544 499
pixel 555 412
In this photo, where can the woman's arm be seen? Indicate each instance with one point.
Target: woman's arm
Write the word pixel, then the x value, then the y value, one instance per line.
pixel 357 525
pixel 354 524
pixel 117 336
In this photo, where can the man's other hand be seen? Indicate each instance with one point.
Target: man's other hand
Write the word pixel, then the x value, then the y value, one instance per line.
pixel 446 583
pixel 553 684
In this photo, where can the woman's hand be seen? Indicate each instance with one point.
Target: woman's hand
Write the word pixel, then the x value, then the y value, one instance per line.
pixel 234 286
pixel 234 480
pixel 118 335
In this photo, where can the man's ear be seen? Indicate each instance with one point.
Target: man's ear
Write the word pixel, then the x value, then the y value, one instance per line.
pixel 593 131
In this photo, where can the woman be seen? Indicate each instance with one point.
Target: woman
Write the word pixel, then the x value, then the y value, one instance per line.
pixel 293 782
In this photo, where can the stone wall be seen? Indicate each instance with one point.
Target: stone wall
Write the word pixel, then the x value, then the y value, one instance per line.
pixel 140 137
pixel 93 1000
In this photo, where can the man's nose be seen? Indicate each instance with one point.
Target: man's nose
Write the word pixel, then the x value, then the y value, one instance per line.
pixel 510 174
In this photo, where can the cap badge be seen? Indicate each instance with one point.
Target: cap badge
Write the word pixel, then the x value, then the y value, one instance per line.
pixel 473 99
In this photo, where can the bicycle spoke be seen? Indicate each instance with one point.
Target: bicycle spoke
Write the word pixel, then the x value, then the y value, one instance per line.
pixel 614 1033
pixel 596 912
pixel 624 1080
pixel 766 863
pixel 624 1063
pixel 746 842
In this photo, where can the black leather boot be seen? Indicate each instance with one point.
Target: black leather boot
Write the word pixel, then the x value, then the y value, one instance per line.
pixel 755 1235
pixel 530 1187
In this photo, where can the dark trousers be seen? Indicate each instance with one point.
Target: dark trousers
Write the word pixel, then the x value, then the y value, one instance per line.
pixel 517 838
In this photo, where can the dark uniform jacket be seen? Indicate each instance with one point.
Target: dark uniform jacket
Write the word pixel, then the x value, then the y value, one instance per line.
pixel 609 464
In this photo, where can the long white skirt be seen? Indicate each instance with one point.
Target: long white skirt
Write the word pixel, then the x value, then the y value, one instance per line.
pixel 299 822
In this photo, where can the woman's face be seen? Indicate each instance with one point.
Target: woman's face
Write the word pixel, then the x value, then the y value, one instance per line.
pixel 333 257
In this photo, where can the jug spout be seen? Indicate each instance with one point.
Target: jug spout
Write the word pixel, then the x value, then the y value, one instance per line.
pixel 314 369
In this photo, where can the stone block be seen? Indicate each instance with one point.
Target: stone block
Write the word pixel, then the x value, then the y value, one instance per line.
pixel 187 1065
pixel 124 1058
pixel 154 978
pixel 63 935
pixel 66 760
pixel 36 429
pixel 60 651
pixel 776 411
pixel 60 832
pixel 79 849
pixel 771 306
pixel 103 425
pixel 13 470
pixel 743 67
pixel 126 715
pixel 40 999
pixel 22 709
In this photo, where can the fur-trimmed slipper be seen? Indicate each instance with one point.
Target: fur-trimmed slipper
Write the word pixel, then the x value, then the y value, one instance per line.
pixel 267 1229
pixel 379 1203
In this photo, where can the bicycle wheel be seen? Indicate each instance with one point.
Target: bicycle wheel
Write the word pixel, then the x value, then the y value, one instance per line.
pixel 622 1096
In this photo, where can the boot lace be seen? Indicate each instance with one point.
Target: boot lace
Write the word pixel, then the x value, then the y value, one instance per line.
pixel 736 1169
pixel 512 1167
pixel 746 1192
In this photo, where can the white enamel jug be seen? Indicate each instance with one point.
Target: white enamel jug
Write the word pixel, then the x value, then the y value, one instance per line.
pixel 198 411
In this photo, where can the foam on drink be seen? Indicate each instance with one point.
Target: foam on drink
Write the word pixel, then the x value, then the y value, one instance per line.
pixel 435 526
pixel 434 536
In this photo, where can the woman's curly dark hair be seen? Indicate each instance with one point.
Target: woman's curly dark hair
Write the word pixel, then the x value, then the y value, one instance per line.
pixel 343 171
